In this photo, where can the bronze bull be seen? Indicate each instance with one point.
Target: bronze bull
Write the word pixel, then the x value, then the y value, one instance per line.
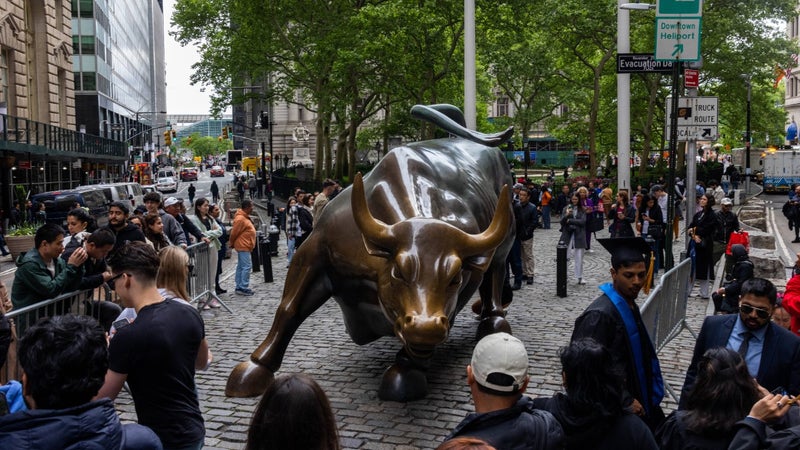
pixel 402 251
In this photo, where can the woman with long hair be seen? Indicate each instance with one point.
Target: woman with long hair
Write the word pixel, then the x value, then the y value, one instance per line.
pixel 723 395
pixel 573 233
pixel 589 207
pixel 154 232
pixel 591 412
pixel 294 413
pixel 622 217
pixel 652 225
pixel 79 226
pixel 702 231
pixel 211 230
pixel 216 213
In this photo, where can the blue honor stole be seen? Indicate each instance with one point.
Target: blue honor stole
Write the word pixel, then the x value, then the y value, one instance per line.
pixel 654 393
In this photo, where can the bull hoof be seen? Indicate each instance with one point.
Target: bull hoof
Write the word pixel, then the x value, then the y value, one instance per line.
pixel 248 379
pixel 402 383
pixel 491 325
pixel 477 305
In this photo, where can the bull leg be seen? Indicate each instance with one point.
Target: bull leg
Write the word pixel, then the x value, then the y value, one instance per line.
pixel 305 291
pixel 403 381
pixel 491 292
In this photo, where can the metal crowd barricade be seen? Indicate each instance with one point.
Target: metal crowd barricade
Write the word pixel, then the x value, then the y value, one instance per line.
pixel 664 311
pixel 76 302
pixel 199 284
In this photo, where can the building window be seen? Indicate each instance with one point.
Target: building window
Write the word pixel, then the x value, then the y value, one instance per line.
pixel 59 12
pixel 89 81
pixel 502 107
pixel 7 99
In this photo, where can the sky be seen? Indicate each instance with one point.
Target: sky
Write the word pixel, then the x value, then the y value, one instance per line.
pixel 182 97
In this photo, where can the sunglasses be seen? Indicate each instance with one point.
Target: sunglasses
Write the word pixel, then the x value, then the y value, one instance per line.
pixel 760 312
pixel 113 279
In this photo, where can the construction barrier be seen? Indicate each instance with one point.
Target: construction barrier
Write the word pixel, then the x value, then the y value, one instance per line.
pixel 664 310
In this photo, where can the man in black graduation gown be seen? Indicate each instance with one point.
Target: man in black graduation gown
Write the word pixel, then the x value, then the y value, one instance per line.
pixel 613 319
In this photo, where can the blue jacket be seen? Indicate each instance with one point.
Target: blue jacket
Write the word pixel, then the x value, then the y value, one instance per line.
pixel 88 426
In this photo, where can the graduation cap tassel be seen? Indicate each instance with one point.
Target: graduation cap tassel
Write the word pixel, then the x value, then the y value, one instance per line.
pixel 649 282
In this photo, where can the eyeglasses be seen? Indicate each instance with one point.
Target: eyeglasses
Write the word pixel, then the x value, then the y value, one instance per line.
pixel 760 312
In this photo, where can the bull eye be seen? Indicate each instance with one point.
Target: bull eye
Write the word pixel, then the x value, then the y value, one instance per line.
pixel 456 280
pixel 396 273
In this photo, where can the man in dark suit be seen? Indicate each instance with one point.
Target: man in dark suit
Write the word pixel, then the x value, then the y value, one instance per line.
pixel 772 353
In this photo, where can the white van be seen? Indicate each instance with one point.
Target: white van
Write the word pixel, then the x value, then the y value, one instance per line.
pixel 127 191
pixel 167 172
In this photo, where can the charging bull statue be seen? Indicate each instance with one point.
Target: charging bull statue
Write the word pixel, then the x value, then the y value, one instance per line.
pixel 402 251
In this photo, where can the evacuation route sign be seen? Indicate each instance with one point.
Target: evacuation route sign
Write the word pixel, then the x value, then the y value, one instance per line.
pixel 678 38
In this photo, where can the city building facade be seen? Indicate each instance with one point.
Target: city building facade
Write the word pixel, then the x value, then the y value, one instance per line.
pixel 41 145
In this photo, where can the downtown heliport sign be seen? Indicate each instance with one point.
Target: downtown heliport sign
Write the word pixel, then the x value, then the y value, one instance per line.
pixel 678 30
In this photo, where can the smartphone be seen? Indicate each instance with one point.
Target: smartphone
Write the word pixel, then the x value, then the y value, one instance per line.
pixel 120 324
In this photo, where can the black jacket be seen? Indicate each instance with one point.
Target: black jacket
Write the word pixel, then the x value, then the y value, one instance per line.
pixel 520 427
pixel 727 222
pixel 752 434
pixel 128 234
pixel 673 435
pixel 529 220
pixel 590 429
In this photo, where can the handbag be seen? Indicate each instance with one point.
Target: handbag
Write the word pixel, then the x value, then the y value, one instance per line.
pixel 596 222
pixel 738 237
pixel 656 230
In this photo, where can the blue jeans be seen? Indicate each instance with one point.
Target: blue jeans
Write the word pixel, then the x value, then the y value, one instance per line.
pixel 243 267
pixel 546 217
pixel 290 248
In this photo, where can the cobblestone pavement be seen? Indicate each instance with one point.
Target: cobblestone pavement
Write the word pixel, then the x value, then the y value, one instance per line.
pixel 350 374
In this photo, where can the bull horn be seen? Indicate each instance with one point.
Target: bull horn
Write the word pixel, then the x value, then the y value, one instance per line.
pixel 475 244
pixel 373 229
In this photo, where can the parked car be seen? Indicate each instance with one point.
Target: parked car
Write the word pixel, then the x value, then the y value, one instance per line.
pixel 148 188
pixel 189 174
pixel 58 203
pixel 217 171
pixel 167 184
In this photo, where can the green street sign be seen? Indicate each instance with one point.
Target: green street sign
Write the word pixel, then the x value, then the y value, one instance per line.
pixel 679 7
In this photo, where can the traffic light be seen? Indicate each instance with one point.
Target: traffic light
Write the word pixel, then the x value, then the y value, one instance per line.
pixel 264 120
pixel 174 134
pixel 189 140
pixel 167 138
pixel 224 132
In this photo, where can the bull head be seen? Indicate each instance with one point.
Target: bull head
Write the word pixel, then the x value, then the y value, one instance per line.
pixel 425 266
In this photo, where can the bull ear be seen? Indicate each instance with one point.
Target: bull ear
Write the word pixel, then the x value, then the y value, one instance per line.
pixel 375 250
pixel 479 262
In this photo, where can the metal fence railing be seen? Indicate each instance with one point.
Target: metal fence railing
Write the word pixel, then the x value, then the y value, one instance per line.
pixel 201 276
pixel 76 302
pixel 664 310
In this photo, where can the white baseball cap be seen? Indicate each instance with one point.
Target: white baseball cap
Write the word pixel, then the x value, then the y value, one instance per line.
pixel 170 201
pixel 500 353
pixel 726 201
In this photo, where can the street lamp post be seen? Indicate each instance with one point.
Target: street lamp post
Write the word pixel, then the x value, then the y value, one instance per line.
pixel 747 138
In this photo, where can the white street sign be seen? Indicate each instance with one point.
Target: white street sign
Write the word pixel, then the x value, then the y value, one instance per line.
pixel 698 118
pixel 678 38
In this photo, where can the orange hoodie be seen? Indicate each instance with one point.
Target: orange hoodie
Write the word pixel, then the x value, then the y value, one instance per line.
pixel 243 232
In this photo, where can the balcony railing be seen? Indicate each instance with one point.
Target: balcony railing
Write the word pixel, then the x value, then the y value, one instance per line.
pixel 21 134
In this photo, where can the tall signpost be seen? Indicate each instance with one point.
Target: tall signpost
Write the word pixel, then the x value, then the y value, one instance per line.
pixel 677 36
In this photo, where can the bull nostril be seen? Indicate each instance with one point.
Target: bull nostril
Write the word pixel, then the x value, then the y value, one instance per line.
pixel 442 321
pixel 409 319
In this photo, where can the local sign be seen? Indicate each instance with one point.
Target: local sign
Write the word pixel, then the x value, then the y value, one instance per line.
pixel 698 118
pixel 642 63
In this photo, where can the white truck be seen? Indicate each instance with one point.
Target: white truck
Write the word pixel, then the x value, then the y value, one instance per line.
pixel 781 169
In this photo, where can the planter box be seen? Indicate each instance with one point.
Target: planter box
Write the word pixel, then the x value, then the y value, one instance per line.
pixel 18 245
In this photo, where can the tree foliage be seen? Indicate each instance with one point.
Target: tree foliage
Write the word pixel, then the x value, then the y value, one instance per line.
pixel 360 65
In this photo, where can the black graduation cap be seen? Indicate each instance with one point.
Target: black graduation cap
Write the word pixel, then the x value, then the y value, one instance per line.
pixel 627 250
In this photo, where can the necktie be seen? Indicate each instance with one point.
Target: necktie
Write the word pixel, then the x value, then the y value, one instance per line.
pixel 746 336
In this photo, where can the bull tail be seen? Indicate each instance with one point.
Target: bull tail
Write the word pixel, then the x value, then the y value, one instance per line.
pixel 451 119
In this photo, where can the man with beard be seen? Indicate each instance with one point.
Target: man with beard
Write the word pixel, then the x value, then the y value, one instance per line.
pixel 614 321
pixel 772 353
pixel 118 224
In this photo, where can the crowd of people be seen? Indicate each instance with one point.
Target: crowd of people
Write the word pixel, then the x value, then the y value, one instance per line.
pixel 738 392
